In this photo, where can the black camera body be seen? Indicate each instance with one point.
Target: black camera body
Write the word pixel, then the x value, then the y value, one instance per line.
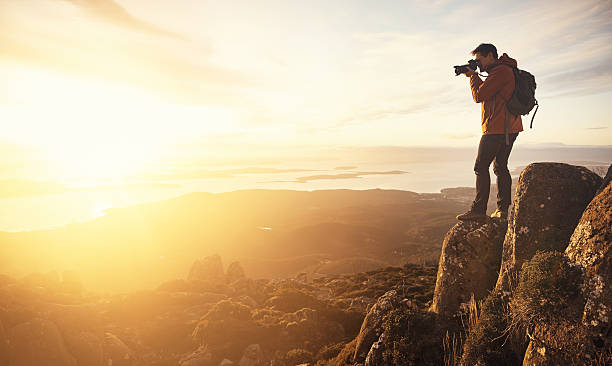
pixel 462 69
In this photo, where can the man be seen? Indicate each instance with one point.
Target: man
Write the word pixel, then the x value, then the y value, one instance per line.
pixel 499 130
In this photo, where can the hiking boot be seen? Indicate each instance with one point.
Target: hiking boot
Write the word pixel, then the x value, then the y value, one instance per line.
pixel 472 216
pixel 500 214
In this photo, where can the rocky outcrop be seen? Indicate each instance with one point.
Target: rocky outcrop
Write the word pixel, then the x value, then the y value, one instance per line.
pixel 469 264
pixel 410 337
pixel 234 272
pixel 549 200
pixel 208 269
pixel 591 247
pixel 371 327
pixel 38 342
pixel 585 337
pixel 397 332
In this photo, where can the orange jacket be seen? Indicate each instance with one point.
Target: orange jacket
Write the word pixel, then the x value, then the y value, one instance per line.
pixel 492 95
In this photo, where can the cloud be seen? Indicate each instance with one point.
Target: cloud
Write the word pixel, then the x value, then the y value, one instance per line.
pixel 565 44
pixel 134 53
pixel 583 81
pixel 110 11
pixel 379 111
pixel 596 128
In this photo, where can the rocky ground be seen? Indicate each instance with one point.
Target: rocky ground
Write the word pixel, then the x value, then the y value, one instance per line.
pixel 211 317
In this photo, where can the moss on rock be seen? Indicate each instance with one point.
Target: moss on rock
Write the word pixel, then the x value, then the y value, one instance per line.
pixel 549 290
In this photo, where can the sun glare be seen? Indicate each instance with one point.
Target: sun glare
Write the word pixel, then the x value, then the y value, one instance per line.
pixel 100 163
pixel 91 132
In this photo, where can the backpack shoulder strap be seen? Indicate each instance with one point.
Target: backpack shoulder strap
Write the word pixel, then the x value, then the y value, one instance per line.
pixel 534 113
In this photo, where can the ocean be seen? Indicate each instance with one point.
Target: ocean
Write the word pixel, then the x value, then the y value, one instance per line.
pixel 423 170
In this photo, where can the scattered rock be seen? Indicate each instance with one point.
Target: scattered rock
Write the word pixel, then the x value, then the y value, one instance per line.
pixel 252 356
pixel 469 264
pixel 549 200
pixel 234 272
pixel 209 268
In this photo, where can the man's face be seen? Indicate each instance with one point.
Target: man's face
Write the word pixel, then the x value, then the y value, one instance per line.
pixel 484 61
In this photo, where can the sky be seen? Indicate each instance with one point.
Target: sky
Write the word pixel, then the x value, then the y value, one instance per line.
pixel 101 87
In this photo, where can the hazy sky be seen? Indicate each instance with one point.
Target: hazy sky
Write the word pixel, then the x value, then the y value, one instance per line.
pixel 116 83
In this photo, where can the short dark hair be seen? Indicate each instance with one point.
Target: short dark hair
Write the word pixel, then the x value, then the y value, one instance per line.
pixel 484 49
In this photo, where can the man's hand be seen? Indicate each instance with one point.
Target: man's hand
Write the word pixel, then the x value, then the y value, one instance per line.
pixel 470 72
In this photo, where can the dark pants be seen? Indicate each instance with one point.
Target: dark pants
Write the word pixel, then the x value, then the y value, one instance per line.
pixel 493 148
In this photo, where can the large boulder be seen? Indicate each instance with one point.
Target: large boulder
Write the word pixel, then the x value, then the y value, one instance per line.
pixel 209 269
pixel 584 338
pixel 371 328
pixel 234 272
pixel 549 200
pixel 591 247
pixel 411 337
pixel 469 264
pixel 38 342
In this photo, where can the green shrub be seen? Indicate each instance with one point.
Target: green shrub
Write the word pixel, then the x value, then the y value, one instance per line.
pixel 225 323
pixel 290 300
pixel 548 290
pixel 486 341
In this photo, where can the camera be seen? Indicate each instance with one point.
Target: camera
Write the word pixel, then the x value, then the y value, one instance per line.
pixel 461 69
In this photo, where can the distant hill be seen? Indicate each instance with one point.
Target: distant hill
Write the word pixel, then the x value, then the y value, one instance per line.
pixel 271 232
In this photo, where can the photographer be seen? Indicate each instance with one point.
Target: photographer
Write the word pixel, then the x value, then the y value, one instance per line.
pixel 499 129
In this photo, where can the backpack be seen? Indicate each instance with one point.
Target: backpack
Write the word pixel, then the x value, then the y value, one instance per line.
pixel 523 99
